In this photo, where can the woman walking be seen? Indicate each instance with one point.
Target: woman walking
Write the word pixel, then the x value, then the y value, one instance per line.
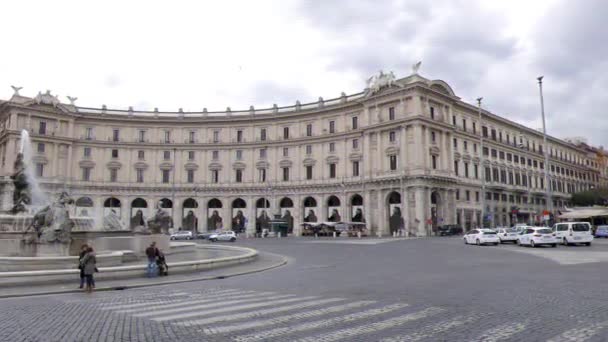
pixel 89 266
pixel 83 252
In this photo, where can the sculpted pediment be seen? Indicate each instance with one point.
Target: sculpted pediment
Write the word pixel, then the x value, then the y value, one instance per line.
pixel 262 164
pixel 285 163
pixel 434 150
pixel 309 162
pixel 140 166
pixel 332 159
pixel 391 151
pixel 238 166
pixel 215 166
pixel 86 163
pixel 355 156
pixel 191 166
pixel 166 166
pixel 114 164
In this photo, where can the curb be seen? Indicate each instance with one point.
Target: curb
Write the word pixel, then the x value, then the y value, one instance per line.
pixel 282 262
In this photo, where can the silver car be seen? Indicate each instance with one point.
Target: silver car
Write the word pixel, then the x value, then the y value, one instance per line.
pixel 224 236
pixel 182 235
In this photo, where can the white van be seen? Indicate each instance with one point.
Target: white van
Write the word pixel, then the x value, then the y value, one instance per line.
pixel 570 233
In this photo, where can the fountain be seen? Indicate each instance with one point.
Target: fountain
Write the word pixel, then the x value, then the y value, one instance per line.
pixel 39 234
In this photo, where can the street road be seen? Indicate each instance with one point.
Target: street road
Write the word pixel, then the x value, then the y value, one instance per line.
pixel 433 289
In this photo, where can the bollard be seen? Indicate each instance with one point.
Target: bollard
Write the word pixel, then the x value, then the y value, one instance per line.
pixel 316 236
pixel 359 235
pixel 334 235
pixel 279 235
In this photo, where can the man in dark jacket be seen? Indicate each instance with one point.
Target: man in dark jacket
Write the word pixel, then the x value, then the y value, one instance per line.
pixel 152 253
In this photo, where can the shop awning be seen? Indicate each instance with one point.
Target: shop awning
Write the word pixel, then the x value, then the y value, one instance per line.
pixel 584 213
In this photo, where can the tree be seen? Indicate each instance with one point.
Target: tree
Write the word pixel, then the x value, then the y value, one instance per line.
pixel 590 197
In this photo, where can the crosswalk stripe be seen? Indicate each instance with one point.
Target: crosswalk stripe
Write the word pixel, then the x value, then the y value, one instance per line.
pixel 433 329
pixel 287 318
pixel 374 327
pixel 231 308
pixel 580 334
pixel 211 304
pixel 258 313
pixel 159 302
pixel 186 301
pixel 263 335
pixel 502 332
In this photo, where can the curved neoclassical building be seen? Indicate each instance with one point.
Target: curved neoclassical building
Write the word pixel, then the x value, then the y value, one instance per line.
pixel 410 149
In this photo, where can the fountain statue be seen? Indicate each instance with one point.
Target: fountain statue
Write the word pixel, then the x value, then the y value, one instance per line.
pixel 21 195
pixel 161 222
pixel 52 224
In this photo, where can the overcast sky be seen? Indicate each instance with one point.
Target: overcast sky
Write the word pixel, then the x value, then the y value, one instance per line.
pixel 215 54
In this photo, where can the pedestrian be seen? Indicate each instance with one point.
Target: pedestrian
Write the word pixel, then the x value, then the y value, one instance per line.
pixel 152 253
pixel 83 252
pixel 161 262
pixel 89 265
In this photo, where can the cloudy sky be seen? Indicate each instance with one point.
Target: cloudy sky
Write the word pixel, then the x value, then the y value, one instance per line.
pixel 214 54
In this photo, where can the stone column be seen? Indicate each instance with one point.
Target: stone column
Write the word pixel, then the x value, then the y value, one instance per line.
pixel 296 212
pixel 98 212
pixel 226 212
pixel 383 213
pixel 402 148
pixel 177 213
pixel 125 210
pixel 251 217
pixel 421 210
pixel 367 211
pixel 202 217
pixel 405 210
pixel 324 209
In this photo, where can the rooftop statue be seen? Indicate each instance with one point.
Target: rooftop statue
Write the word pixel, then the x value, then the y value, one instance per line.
pixel 376 82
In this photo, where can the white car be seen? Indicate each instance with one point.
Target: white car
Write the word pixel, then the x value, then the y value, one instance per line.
pixel 481 236
pixel 224 236
pixel 182 235
pixel 537 236
pixel 569 233
pixel 507 235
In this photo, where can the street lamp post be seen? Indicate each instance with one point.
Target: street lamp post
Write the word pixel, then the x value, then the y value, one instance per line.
pixel 481 162
pixel 546 149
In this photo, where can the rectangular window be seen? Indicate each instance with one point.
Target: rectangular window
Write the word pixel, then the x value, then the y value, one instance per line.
pixel 466 170
pixel 332 147
pixel 454 120
pixel 516 158
pixel 355 122
pixel 262 175
pixel 486 151
pixel 238 176
pixel 166 155
pixel 475 148
pixel 432 112
pixel 216 136
pixel 86 174
pixel 190 155
pixel 393 162
pixel 355 144
pixel 332 170
pixel 456 167
pixel 140 155
pixel 215 155
pixel 493 132
pixel 465 145
pixel 458 194
pixel 87 152
pixel 476 171
pixel 167 137
pixel 476 196
pixel 285 152
pixel 142 136
pixel 355 169
pixel 309 130
pixel 239 154
pixel 215 176
pixel 115 135
pixel 239 136
pixel 391 136
pixel 140 175
pixel 190 176
pixel 40 148
pixel 434 162
pixel 191 138
pixel 166 174
pixel 42 128
pixel 495 175
pixel 114 153
pixel 332 127
pixel 285 174
pixel 433 137
pixel 263 153
pixel 285 133
pixel 308 149
pixel 535 163
pixel 391 113
pixel 493 153
pixel 309 172
pixel 488 174
pixel 474 128
pixel 88 133
pixel 509 157
pixel 263 134
pixel 467 195
pixel 501 155
pixel 113 175
pixel 455 143
pixel 484 131
pixel 464 124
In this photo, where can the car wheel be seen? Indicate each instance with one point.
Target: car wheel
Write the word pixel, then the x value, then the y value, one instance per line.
pixel 566 243
pixel 532 244
pixel 465 241
pixel 496 244
pixel 517 242
pixel 171 238
pixel 477 242
pixel 588 244
pixel 232 239
pixel 212 240
pixel 554 245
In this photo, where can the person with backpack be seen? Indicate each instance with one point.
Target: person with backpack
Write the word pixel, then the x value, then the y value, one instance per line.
pixel 152 254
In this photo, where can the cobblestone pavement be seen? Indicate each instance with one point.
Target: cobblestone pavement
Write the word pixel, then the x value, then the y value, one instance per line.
pixel 402 290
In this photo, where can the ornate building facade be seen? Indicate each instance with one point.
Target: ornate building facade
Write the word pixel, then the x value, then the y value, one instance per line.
pixel 404 150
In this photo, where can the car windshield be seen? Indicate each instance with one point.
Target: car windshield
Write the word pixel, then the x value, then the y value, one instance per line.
pixel 545 231
pixel 489 233
pixel 511 230
pixel 580 227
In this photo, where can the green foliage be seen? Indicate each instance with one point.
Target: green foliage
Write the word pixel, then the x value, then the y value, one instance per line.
pixel 590 197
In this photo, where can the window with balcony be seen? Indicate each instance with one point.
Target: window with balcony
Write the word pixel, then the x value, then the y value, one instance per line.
pixel 309 130
pixel 494 153
pixel 86 174
pixel 285 133
pixel 309 172
pixel 486 151
pixel 495 175
pixel 42 128
pixel 191 137
pixel 493 133
pixel 355 122
pixel 142 136
pixel 501 155
pixel 356 169
pixel 391 113
pixel 392 162
pixel 484 131
pixel 216 136
pixel 114 153
pixel 488 174
pixel 509 157
pixel 332 127
pixel 332 170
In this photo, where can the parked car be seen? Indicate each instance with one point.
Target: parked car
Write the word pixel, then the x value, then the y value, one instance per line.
pixel 223 236
pixel 537 236
pixel 204 235
pixel 507 235
pixel 481 236
pixel 182 235
pixel 450 229
pixel 601 231
pixel 569 233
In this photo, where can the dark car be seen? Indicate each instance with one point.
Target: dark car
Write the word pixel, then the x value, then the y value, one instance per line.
pixel 449 229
